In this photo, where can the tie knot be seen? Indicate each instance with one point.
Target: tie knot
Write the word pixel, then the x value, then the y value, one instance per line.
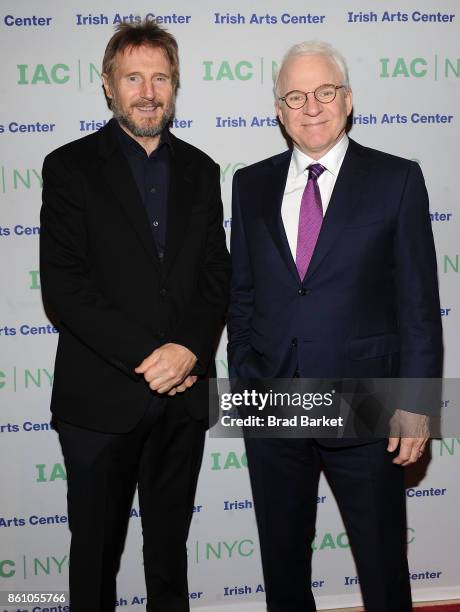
pixel 315 170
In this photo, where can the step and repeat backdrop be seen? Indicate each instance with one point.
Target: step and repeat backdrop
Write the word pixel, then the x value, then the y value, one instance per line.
pixel 404 61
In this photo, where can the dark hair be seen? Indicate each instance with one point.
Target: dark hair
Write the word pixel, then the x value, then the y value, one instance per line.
pixel 147 33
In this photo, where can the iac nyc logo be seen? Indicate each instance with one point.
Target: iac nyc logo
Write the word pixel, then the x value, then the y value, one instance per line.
pixel 258 69
pixel 436 67
pixel 446 447
pixel 451 263
pixel 28 567
pixel 19 179
pixel 34 280
pixel 18 378
pixel 78 73
pixel 220 550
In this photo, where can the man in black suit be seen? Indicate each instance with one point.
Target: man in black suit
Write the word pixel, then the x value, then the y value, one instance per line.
pixel 134 267
pixel 352 296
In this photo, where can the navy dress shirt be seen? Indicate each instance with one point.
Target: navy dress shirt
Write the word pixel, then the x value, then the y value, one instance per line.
pixel 151 174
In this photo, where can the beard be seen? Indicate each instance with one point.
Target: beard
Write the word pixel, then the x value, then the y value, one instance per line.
pixel 149 128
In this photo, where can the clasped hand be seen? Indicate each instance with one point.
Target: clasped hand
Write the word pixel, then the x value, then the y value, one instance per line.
pixel 411 431
pixel 167 369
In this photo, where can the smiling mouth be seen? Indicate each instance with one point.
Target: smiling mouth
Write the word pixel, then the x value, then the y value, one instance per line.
pixel 148 108
pixel 313 124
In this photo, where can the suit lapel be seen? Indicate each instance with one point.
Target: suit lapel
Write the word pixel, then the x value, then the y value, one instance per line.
pixel 346 196
pixel 272 199
pixel 118 177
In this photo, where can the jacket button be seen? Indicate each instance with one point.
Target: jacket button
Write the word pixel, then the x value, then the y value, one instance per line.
pixel 302 291
pixel 296 374
pixel 163 292
pixel 294 342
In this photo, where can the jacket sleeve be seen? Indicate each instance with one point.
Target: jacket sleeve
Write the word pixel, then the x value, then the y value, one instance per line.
pixel 242 290
pixel 67 286
pixel 205 318
pixel 417 296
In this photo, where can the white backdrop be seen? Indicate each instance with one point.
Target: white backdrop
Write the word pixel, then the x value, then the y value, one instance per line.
pixel 404 64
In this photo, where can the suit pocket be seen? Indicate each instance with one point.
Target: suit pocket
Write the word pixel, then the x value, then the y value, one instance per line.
pixel 374 346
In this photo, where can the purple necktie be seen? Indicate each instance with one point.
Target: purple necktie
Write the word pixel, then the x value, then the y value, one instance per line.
pixel 310 220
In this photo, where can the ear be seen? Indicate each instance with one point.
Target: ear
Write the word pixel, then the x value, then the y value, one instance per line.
pixel 279 113
pixel 349 101
pixel 107 88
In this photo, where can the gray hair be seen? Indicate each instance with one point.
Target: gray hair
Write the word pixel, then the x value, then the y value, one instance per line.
pixel 313 47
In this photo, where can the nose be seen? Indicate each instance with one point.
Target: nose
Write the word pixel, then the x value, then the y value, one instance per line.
pixel 148 90
pixel 312 106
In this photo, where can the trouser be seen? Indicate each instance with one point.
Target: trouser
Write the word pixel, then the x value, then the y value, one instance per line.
pixel 369 490
pixel 162 455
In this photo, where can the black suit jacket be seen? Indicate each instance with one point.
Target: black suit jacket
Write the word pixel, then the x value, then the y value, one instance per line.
pixel 102 279
pixel 369 304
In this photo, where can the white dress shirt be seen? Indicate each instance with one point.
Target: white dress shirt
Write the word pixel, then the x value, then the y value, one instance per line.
pixel 297 179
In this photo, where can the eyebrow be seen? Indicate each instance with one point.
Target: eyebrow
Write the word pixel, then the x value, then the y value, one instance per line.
pixel 136 72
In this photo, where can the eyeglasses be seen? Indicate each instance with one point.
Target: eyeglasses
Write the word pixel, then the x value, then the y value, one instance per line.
pixel 324 94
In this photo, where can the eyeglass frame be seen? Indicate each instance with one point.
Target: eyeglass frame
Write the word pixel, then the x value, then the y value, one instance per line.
pixel 305 93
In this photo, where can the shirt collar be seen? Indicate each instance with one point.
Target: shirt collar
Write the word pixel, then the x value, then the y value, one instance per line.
pixel 130 145
pixel 331 161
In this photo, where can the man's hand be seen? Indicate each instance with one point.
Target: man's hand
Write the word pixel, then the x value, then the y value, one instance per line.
pixel 168 367
pixel 411 431
pixel 188 382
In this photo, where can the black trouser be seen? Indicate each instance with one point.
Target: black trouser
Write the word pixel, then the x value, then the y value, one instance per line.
pixel 370 493
pixel 162 455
